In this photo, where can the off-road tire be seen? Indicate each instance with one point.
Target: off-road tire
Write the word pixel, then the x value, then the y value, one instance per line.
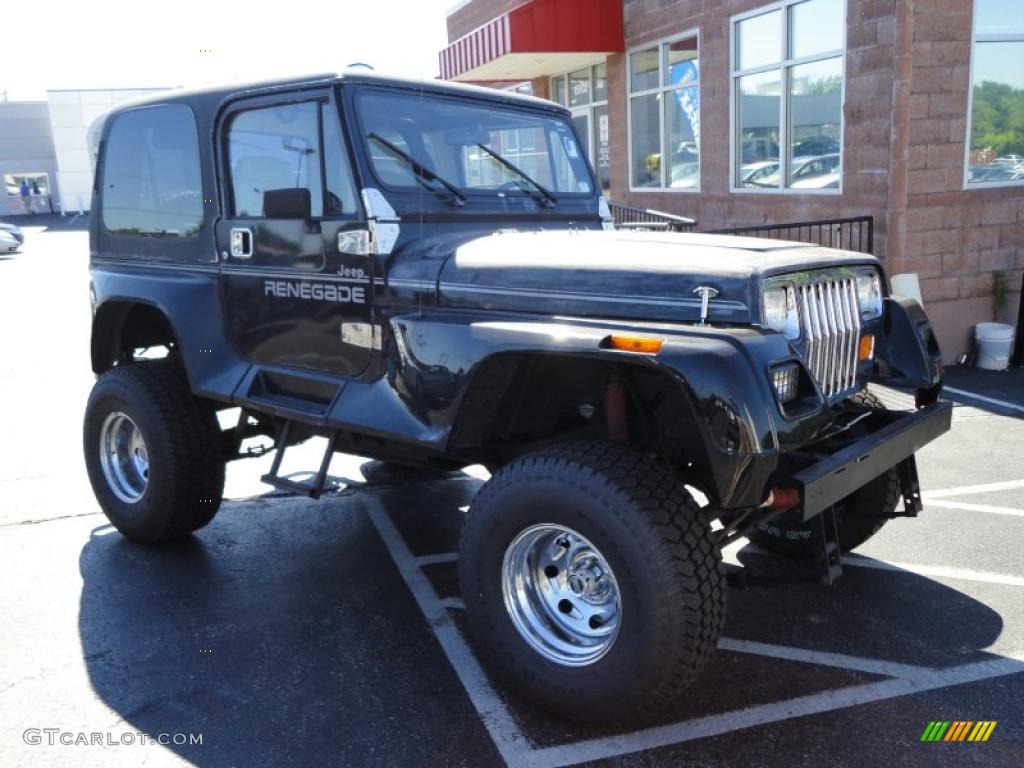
pixel 659 546
pixel 858 517
pixel 183 441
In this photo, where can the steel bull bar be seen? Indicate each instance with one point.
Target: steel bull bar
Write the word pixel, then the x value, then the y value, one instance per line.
pixel 827 481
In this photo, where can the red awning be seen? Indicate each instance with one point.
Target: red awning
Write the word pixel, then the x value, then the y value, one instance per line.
pixel 540 37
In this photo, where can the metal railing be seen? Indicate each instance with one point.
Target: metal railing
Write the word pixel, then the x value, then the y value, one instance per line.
pixel 856 233
pixel 631 217
pixel 853 234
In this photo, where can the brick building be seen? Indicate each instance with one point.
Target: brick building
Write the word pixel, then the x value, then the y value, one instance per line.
pixel 747 112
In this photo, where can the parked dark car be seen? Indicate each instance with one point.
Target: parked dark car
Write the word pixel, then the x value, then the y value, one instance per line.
pixel 818 145
pixel 424 273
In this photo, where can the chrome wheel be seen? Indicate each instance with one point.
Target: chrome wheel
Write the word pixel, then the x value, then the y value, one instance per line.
pixel 123 457
pixel 561 595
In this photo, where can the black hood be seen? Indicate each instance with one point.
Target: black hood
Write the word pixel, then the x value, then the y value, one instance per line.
pixel 624 274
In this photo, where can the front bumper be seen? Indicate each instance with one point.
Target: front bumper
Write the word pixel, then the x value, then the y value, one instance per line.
pixel 827 481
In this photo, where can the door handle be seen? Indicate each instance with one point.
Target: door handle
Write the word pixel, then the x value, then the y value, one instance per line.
pixel 241 243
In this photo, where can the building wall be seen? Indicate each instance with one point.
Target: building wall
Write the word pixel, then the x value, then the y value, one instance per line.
pixel 907 69
pixel 954 239
pixel 468 16
pixel 867 129
pixel 26 146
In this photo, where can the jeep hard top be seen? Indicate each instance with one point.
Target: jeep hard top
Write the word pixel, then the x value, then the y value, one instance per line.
pixel 427 274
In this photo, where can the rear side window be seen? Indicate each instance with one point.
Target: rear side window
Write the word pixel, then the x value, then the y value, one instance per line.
pixel 152 182
pixel 275 148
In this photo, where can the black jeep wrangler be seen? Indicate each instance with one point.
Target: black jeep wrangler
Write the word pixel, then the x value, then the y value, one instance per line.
pixel 426 274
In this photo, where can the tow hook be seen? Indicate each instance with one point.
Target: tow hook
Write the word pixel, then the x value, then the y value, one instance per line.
pixel 781 498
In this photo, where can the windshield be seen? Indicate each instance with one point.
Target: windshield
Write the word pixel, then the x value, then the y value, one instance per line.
pixel 444 137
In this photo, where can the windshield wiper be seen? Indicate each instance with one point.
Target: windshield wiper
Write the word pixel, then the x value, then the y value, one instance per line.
pixel 421 171
pixel 550 201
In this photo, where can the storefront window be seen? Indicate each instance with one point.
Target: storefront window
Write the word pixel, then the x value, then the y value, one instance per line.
pixel 995 155
pixel 585 92
pixel 28 192
pixel 664 110
pixel 788 64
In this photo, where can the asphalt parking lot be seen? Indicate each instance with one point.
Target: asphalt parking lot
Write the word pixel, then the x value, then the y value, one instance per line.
pixel 293 632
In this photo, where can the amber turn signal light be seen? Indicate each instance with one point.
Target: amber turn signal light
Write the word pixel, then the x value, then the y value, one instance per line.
pixel 867 347
pixel 642 344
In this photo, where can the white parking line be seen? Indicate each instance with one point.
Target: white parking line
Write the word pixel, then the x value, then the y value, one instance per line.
pixel 823 658
pixel 518 752
pixel 937 571
pixel 790 653
pixel 970 490
pixel 507 737
pixel 984 399
pixel 727 722
pixel 968 507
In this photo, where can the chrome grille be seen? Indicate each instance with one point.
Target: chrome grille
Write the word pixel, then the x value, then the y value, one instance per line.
pixel 830 326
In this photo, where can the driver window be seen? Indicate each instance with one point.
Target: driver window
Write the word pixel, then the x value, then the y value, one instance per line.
pixel 274 148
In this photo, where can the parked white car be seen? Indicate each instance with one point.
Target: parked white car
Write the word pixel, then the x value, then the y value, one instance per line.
pixel 8 243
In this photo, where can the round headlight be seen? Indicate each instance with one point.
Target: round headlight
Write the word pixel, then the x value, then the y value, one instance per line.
pixel 780 311
pixel 869 294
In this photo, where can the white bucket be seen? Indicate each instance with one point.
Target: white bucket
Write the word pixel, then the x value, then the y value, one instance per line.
pixel 995 340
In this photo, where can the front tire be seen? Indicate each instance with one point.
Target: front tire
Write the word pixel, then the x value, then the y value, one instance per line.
pixel 153 452
pixel 591 582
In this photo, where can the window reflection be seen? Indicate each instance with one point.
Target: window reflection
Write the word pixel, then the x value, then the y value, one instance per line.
pixel 760 103
pixel 996 154
pixel 815 112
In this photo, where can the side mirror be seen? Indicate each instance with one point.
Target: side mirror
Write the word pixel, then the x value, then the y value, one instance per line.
pixel 293 203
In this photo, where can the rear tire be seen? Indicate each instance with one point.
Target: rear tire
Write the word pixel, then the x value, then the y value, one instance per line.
pixel 599 530
pixel 858 517
pixel 153 452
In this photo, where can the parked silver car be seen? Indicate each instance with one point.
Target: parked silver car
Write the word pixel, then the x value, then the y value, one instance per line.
pixel 11 237
pixel 7 242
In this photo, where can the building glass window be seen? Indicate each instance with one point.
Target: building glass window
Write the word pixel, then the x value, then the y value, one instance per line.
pixel 995 147
pixel 152 183
pixel 664 115
pixel 788 64
pixel 585 92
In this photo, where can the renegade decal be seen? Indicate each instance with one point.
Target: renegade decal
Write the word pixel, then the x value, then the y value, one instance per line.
pixel 288 289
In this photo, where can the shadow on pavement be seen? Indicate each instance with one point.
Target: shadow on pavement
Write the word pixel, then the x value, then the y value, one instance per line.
pixel 1006 386
pixel 282 633
pixel 285 635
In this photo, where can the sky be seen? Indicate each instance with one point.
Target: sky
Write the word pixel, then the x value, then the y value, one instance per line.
pixel 116 44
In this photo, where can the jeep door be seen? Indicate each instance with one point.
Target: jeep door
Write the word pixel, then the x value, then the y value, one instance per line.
pixel 291 297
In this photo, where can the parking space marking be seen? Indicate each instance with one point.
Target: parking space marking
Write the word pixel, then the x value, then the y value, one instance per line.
pixel 507 737
pixel 764 714
pixel 789 653
pixel 968 507
pixel 822 658
pixel 984 399
pixel 517 750
pixel 937 571
pixel 970 490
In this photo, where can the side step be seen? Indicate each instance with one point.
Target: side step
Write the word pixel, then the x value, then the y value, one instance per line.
pixel 830 566
pixel 312 489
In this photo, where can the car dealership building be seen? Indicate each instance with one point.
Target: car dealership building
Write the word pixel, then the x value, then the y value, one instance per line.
pixel 746 112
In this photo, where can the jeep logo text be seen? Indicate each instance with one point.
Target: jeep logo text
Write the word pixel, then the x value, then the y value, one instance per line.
pixel 287 289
